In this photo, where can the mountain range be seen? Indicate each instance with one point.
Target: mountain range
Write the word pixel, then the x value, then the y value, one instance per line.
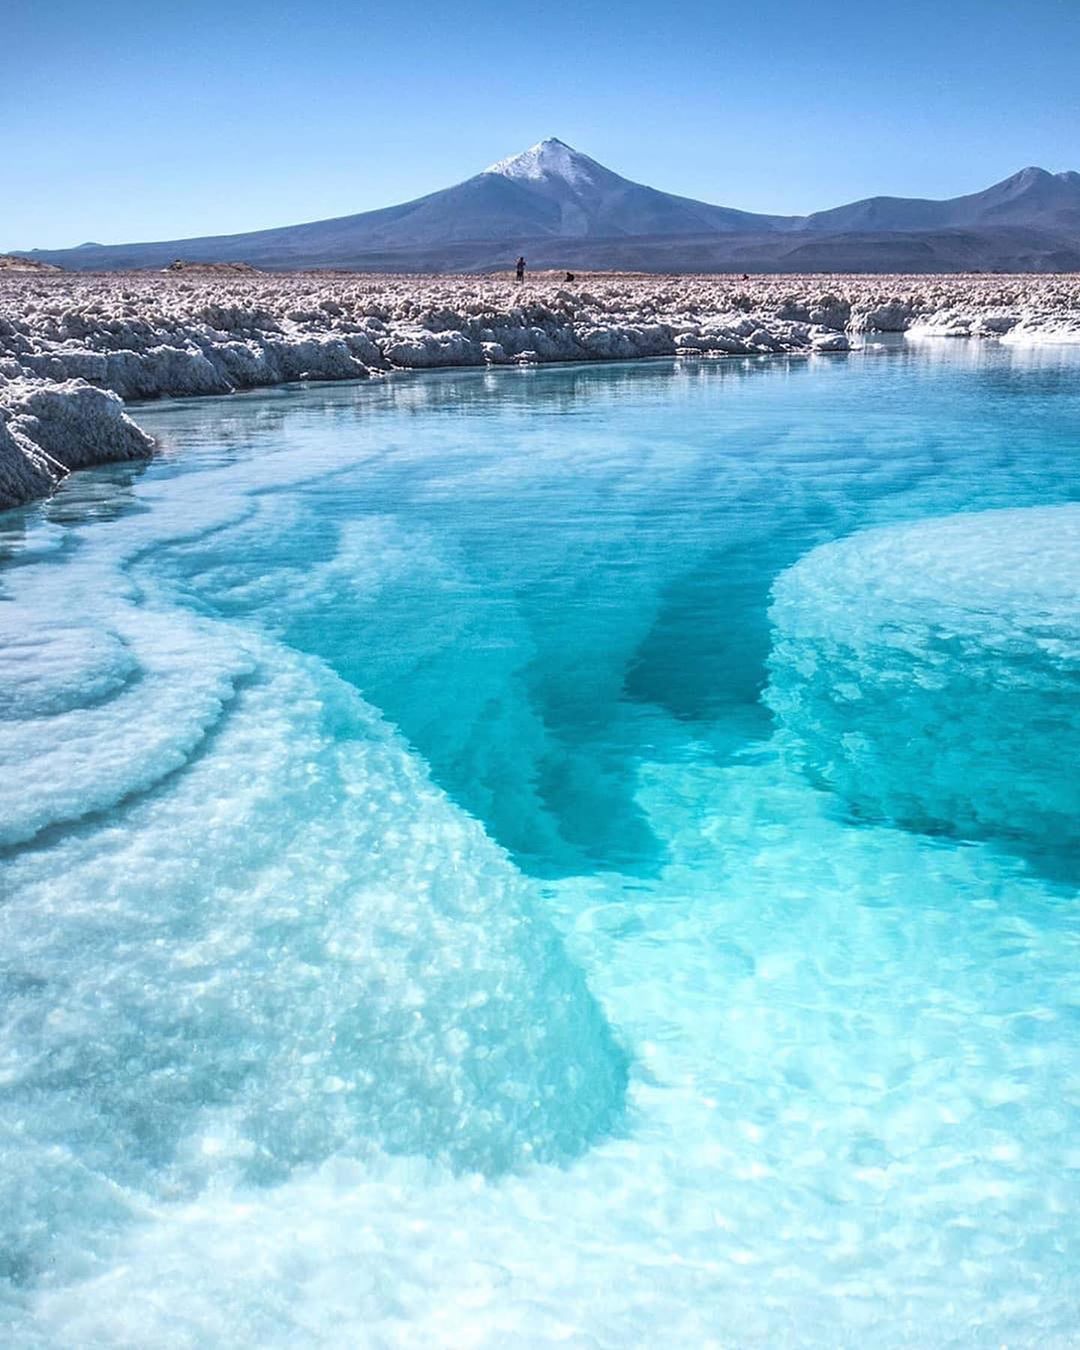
pixel 563 209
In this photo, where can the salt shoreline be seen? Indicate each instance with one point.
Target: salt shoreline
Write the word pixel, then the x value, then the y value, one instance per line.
pixel 73 347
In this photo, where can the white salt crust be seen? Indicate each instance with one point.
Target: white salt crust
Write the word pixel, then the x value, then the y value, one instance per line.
pixel 68 343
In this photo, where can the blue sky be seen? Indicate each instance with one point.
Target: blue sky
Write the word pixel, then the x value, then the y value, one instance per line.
pixel 125 121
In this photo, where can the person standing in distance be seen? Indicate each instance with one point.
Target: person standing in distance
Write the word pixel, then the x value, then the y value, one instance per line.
pixel 521 269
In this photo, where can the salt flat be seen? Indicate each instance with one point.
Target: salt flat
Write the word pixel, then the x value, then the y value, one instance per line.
pixel 74 347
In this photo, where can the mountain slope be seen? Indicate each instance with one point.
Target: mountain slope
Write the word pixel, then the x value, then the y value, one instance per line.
pixel 563 208
pixel 594 201
pixel 1002 250
pixel 550 190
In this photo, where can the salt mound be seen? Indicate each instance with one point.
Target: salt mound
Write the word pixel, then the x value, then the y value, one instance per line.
pixel 294 947
pixel 931 672
pixel 48 430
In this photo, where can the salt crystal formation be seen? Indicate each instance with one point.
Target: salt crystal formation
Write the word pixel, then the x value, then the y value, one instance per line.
pixel 46 430
pixel 299 945
pixel 930 673
pixel 70 342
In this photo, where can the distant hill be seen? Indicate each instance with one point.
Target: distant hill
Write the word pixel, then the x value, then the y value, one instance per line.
pixel 1032 199
pixel 563 209
pixel 17 262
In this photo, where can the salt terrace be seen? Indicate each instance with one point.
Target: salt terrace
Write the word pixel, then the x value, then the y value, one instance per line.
pixel 74 346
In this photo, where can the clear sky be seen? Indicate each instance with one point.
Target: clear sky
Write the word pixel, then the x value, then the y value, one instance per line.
pixel 126 120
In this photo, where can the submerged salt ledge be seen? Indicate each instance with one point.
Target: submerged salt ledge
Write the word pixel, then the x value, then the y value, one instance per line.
pixel 930 673
pixel 297 947
pixel 299 944
pixel 69 342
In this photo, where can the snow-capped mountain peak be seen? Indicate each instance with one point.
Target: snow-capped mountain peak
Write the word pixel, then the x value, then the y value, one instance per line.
pixel 563 208
pixel 550 158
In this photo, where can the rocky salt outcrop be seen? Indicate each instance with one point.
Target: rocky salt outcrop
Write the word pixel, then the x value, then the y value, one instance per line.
pixel 211 268
pixel 48 430
pixel 83 338
pixel 1038 330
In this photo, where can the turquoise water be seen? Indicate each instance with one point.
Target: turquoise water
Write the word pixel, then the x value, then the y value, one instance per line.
pixel 573 856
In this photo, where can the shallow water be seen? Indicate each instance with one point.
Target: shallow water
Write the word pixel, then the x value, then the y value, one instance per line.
pixel 445 901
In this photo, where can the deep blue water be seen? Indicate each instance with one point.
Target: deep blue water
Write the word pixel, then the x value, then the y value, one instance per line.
pixel 482 867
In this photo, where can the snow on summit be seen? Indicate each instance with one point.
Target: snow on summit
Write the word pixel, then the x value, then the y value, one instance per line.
pixel 550 158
